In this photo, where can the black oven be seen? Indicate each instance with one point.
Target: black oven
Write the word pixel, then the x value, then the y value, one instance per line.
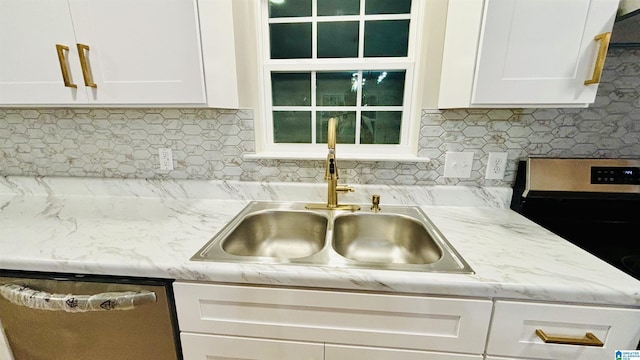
pixel 593 203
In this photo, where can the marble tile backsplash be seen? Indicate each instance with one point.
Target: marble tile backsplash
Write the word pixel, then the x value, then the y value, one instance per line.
pixel 210 143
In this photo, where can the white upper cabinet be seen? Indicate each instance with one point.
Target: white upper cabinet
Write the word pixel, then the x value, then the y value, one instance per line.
pixel 524 53
pixel 142 51
pixel 114 53
pixel 29 67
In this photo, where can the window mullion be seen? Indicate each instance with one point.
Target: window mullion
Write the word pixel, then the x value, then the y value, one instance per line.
pixel 359 87
pixel 359 107
pixel 314 29
pixel 336 64
pixel 361 31
pixel 314 55
pixel 290 20
pixel 313 107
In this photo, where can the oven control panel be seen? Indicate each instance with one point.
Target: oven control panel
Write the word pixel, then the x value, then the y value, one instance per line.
pixel 615 175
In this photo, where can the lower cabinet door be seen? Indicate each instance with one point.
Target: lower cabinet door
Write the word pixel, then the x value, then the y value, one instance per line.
pixel 216 347
pixel 345 352
pixel 333 317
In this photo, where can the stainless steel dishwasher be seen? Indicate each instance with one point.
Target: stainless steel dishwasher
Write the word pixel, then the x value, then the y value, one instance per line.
pixel 63 316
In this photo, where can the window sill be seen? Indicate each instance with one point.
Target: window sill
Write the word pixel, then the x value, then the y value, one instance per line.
pixel 340 156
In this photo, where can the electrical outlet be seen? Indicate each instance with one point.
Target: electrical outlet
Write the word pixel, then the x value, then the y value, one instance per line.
pixel 496 165
pixel 458 164
pixel 166 159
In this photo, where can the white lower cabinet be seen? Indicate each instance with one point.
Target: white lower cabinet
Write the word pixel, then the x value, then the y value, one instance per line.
pixel 343 352
pixel 212 347
pixel 514 326
pixel 228 321
pixel 262 323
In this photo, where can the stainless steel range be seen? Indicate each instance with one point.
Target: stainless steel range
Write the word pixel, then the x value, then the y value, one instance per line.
pixel 593 203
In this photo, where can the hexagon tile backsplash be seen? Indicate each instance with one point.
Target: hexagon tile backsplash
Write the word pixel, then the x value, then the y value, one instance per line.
pixel 209 143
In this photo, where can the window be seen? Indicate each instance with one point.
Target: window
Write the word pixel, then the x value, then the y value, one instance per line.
pixel 349 59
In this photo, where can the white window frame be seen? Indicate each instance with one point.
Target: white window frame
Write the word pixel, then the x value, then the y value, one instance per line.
pixel 411 107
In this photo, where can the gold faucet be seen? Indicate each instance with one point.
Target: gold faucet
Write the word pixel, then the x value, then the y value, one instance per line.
pixel 331 175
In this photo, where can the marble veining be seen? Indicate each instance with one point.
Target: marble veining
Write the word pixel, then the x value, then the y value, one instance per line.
pixel 151 228
pixel 245 190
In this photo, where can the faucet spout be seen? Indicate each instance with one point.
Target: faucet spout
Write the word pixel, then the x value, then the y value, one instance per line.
pixel 331 175
pixel 331 168
pixel 331 134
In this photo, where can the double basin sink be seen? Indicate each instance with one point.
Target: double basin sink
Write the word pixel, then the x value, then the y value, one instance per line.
pixel 393 238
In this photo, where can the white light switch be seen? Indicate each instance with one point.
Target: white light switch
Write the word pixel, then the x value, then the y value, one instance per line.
pixel 458 164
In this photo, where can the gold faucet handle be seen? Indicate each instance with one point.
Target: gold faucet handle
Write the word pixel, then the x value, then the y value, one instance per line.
pixel 345 188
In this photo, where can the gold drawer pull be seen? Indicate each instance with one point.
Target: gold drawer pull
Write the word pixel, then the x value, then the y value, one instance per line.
pixel 604 39
pixel 64 66
pixel 86 72
pixel 588 340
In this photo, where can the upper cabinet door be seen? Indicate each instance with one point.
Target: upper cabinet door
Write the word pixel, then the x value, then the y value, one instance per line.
pixel 111 53
pixel 140 52
pixel 30 68
pixel 541 52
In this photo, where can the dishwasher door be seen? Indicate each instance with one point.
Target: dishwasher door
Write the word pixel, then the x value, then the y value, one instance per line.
pixel 48 317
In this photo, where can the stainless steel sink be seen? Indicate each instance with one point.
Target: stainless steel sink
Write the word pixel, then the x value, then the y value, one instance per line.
pixel 277 234
pixel 395 238
pixel 384 238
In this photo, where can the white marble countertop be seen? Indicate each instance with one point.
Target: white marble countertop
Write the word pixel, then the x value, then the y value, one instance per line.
pixel 151 228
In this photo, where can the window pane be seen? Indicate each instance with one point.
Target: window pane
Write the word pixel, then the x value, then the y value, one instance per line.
pixel 345 129
pixel 383 88
pixel 292 127
pixel 291 89
pixel 380 127
pixel 286 8
pixel 338 39
pixel 338 7
pixel 387 7
pixel 386 38
pixel 290 41
pixel 336 88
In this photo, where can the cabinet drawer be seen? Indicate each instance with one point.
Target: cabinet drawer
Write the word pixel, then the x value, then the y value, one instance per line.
pixel 514 325
pixel 209 347
pixel 342 352
pixel 384 320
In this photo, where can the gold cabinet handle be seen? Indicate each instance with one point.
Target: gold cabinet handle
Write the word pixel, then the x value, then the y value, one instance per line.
pixel 588 340
pixel 86 72
pixel 64 66
pixel 604 39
